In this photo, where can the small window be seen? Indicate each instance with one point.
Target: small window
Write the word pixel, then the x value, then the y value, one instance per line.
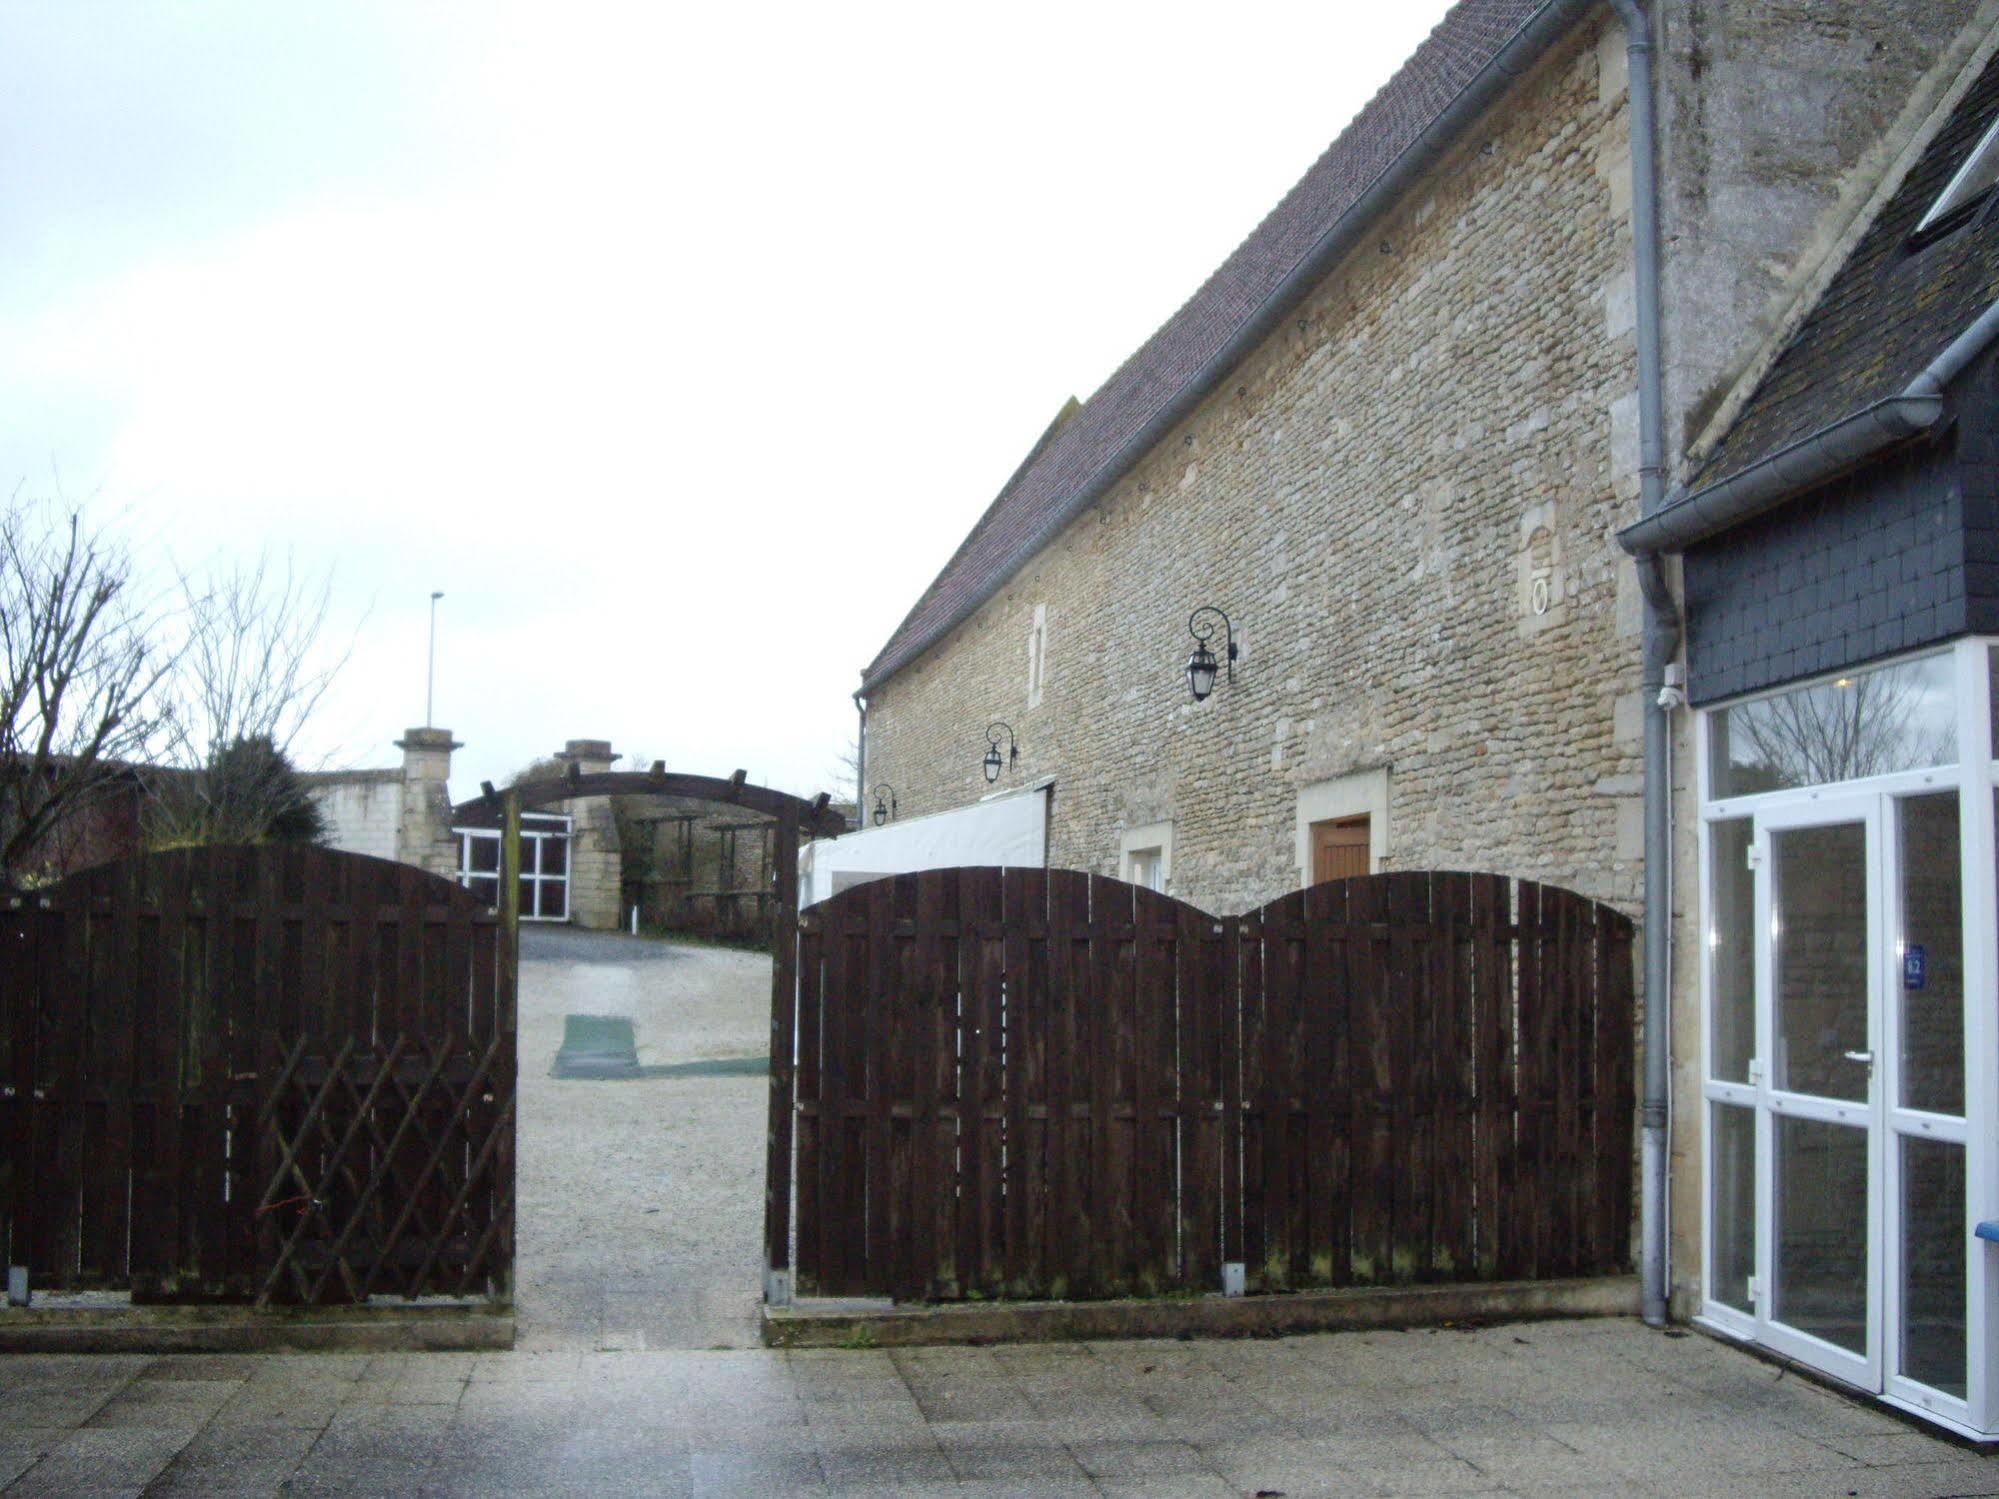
pixel 1037 655
pixel 1973 181
pixel 1145 856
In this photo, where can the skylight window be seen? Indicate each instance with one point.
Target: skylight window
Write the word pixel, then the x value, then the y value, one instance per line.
pixel 1973 181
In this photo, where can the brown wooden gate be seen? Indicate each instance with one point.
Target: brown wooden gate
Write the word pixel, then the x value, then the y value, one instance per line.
pixel 257 1074
pixel 1048 1083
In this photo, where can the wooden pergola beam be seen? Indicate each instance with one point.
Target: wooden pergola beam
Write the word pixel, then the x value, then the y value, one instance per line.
pixel 814 817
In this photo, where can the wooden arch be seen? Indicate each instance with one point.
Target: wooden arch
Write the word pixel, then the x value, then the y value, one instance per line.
pixel 795 817
pixel 814 817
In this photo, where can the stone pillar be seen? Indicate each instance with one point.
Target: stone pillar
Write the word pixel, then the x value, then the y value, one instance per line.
pixel 423 832
pixel 596 858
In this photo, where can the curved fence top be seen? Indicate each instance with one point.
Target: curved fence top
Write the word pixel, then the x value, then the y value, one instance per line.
pixel 259 871
pixel 1446 894
pixel 1026 1083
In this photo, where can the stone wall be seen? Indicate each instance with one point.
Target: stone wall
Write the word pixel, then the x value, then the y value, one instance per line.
pixel 595 860
pixel 363 809
pixel 1777 119
pixel 424 836
pixel 677 883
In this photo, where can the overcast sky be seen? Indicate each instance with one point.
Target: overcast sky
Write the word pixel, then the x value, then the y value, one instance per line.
pixel 678 346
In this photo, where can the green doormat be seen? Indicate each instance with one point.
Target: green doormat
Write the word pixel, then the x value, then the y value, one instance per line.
pixel 596 1046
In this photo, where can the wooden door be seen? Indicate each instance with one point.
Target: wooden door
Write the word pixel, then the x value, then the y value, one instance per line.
pixel 1339 849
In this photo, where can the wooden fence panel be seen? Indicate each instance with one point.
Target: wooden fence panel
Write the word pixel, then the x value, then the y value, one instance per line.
pixel 1072 1146
pixel 19 1004
pixel 256 1073
pixel 808 1256
pixel 1047 1083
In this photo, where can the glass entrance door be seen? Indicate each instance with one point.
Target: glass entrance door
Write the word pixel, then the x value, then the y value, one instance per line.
pixel 1819 1127
pixel 1850 1046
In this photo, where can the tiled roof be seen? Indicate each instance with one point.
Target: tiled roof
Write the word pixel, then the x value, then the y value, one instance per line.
pixel 1095 443
pixel 1888 311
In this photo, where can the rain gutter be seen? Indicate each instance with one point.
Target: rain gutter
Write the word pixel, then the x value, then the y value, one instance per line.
pixel 1688 518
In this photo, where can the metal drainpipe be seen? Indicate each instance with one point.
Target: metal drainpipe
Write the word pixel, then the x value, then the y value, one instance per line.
pixel 1661 645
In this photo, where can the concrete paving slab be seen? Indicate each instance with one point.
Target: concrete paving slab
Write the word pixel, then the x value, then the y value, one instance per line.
pixel 1169 1486
pixel 113 1460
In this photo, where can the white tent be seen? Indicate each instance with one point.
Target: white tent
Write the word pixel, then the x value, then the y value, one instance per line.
pixel 1008 829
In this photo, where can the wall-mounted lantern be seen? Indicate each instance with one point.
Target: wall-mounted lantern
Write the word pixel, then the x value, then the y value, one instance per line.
pixel 1202 664
pixel 993 762
pixel 884 804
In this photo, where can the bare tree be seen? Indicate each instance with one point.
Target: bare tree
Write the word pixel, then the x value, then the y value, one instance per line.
pixel 844 779
pixel 253 666
pixel 82 663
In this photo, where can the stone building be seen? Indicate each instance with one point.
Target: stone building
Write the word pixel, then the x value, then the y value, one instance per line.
pixel 1403 491
pixel 1395 438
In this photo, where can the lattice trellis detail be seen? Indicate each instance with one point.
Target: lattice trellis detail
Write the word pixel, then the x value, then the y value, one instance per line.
pixel 387 1170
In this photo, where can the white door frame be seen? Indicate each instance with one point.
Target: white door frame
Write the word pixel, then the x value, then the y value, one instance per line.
pixel 1773 1103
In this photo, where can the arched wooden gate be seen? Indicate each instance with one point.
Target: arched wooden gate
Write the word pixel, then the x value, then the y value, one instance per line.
pixel 285 1074
pixel 1045 1083
pixel 271 1074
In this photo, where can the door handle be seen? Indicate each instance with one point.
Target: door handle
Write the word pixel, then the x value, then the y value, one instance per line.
pixel 1860 1056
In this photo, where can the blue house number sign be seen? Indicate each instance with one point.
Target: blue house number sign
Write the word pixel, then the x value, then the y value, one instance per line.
pixel 1915 966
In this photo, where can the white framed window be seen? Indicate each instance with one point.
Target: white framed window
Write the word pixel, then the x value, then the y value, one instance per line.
pixel 1849 944
pixel 1145 856
pixel 1037 655
pixel 544 864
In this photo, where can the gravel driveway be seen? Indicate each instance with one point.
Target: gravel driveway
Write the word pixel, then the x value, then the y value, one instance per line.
pixel 640 1206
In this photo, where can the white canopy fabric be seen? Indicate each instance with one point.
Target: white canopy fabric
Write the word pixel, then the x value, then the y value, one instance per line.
pixel 1010 829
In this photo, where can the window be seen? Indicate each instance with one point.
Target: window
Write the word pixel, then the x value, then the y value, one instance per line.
pixel 1866 723
pixel 1145 855
pixel 1037 655
pixel 1973 181
pixel 544 865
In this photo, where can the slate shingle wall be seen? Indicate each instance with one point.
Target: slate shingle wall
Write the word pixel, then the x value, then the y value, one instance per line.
pixel 1977 438
pixel 1900 555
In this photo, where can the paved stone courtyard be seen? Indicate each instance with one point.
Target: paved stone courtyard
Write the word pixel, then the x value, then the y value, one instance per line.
pixel 1537 1408
pixel 640 1208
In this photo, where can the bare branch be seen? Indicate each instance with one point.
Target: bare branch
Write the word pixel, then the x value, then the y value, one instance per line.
pixel 81 670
